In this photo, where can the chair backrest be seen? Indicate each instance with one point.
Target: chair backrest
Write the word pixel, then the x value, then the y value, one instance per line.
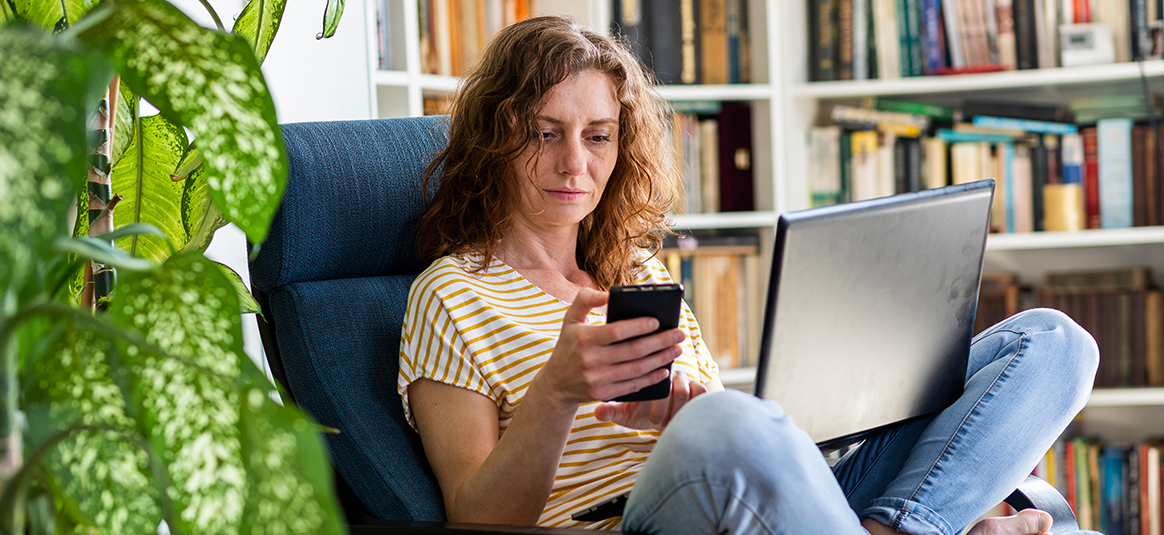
pixel 333 278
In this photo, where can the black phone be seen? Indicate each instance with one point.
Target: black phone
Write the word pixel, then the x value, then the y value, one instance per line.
pixel 660 301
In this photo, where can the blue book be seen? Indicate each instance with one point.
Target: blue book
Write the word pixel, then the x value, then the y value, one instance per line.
pixel 1112 490
pixel 1026 125
pixel 954 136
pixel 1115 172
pixel 934 46
pixel 1071 152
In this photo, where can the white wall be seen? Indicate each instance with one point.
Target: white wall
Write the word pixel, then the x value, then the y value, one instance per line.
pixel 310 80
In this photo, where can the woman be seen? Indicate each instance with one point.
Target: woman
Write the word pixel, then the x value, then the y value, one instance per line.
pixel 552 189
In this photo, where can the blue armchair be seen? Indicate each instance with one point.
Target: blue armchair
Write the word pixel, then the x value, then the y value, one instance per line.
pixel 333 279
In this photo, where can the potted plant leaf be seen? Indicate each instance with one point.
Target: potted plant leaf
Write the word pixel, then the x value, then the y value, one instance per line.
pixel 127 399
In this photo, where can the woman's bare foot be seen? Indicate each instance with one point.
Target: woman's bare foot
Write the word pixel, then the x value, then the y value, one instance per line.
pixel 1026 522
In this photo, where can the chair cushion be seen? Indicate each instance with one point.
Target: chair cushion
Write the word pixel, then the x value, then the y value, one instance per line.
pixel 339 340
pixel 352 200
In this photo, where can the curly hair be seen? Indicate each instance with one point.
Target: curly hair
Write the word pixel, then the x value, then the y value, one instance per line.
pixel 492 121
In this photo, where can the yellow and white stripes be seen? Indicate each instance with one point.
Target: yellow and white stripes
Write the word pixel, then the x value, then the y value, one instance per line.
pixel 490 332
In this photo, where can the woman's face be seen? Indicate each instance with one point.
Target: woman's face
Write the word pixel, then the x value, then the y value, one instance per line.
pixel 578 127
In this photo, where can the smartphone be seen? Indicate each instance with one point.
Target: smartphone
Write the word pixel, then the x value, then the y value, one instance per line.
pixel 660 301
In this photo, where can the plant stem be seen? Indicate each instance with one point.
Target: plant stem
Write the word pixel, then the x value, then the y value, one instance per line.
pixel 213 14
pixel 101 199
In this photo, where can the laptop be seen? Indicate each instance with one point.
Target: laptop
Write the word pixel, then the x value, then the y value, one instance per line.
pixel 870 313
pixel 871 309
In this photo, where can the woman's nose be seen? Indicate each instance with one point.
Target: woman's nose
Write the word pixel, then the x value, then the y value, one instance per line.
pixel 572 161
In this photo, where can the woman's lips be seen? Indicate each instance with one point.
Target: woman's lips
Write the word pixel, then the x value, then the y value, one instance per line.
pixel 565 194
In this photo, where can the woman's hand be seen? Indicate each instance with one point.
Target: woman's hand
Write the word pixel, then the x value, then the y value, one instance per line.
pixel 655 414
pixel 598 362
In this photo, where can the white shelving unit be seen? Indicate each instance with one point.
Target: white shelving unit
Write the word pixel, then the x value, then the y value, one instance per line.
pixel 1117 414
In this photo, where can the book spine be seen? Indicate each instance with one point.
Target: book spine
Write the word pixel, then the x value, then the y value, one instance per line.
pixel 953 33
pixel 1139 176
pixel 736 183
pixel 845 39
pixel 888 46
pixel 1026 125
pixel 713 41
pixel 933 44
pixel 1007 53
pixel 990 16
pixel 825 165
pixel 904 51
pixel 917 60
pixel 861 39
pixel 689 70
pixel 664 22
pixel 1025 38
pixel 1091 177
pixel 1115 172
pixel 733 28
pixel 1039 181
pixel 823 35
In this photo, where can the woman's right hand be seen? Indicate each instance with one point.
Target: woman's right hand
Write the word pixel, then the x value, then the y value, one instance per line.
pixel 601 362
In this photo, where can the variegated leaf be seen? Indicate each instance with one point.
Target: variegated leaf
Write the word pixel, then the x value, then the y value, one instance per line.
pixel 150 196
pixel 258 23
pixel 209 82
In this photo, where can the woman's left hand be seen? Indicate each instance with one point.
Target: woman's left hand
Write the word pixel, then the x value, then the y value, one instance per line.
pixel 654 414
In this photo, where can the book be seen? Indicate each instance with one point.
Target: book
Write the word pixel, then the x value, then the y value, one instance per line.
pixel 1115 172
pixel 823 37
pixel 1091 177
pixel 739 49
pixel 689 58
pixel 1154 336
pixel 665 42
pixel 714 41
pixel 736 180
pixel 864 165
pixel 1007 45
pixel 825 165
pixel 628 21
pixel 1063 207
pixel 935 112
pixel 709 165
pixel 844 39
pixel 1112 280
pixel 862 39
pixel 1034 112
pixel 1026 125
pixel 953 31
pixel 885 33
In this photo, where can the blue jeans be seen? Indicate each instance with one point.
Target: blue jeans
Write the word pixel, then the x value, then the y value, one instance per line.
pixel 732 463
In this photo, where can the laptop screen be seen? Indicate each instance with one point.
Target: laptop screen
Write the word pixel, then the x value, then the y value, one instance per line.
pixel 871 309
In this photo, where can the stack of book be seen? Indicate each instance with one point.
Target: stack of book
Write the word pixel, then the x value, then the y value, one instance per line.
pixel 712 144
pixel 1095 164
pixel 687 41
pixel 454 32
pixel 721 276
pixel 862 39
pixel 1122 309
pixel 1113 488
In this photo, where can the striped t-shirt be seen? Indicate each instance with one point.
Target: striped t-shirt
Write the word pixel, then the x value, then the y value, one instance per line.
pixel 491 331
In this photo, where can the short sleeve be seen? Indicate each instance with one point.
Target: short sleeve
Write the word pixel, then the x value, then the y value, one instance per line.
pixel 432 348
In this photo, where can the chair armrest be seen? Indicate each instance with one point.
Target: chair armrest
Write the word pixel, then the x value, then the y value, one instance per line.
pixel 388 527
pixel 1034 493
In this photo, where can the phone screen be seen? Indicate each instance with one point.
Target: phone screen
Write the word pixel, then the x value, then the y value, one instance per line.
pixel 660 301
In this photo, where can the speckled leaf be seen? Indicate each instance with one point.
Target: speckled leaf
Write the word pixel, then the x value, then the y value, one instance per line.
pixel 258 23
pixel 104 478
pixel 331 18
pixel 150 196
pixel 46 94
pixel 53 15
pixel 286 464
pixel 123 126
pixel 189 408
pixel 246 301
pixel 200 215
pixel 209 82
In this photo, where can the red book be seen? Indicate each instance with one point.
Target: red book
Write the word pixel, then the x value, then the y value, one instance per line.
pixel 970 69
pixel 1091 177
pixel 1082 11
pixel 1069 458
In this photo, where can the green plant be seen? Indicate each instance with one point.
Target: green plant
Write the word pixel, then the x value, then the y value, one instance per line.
pixel 113 422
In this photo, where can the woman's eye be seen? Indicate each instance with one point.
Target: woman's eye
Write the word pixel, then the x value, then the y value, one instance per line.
pixel 604 138
pixel 547 135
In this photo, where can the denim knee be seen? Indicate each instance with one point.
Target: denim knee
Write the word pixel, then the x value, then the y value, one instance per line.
pixel 1065 346
pixel 734 428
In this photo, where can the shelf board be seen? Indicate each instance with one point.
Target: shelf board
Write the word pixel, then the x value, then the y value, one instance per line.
pixel 725 220
pixel 716 92
pixel 1068 240
pixel 978 82
pixel 390 78
pixel 1126 397
pixel 737 376
pixel 435 83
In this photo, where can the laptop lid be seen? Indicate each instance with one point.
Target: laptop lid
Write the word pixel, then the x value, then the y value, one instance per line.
pixel 871 309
